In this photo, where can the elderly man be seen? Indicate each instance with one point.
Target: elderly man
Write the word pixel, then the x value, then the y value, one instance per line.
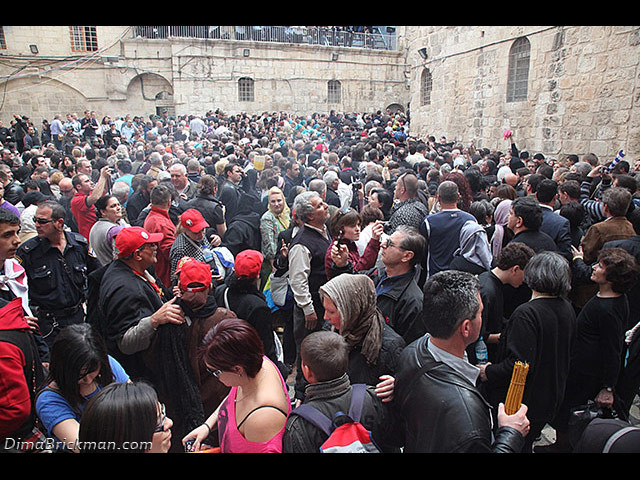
pixel 156 165
pixel 399 297
pixel 307 268
pixel 186 188
pixel 435 383
pixel 332 181
pixel 132 302
pixel 615 226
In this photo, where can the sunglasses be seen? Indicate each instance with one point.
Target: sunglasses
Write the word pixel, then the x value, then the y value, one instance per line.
pixel 42 221
pixel 389 243
pixel 214 373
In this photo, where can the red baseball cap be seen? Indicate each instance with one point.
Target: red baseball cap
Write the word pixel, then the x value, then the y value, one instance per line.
pixel 193 220
pixel 248 263
pixel 130 239
pixel 193 271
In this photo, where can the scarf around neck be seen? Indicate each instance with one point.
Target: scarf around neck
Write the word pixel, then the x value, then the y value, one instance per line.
pixel 284 216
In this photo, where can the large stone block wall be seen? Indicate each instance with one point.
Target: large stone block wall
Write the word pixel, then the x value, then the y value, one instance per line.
pixel 583 89
pixel 189 75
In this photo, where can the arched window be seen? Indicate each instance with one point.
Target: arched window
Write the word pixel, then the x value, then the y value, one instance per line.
pixel 334 91
pixel 245 89
pixel 426 84
pixel 517 82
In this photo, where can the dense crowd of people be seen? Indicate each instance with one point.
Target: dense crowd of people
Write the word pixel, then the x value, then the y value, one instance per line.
pixel 163 278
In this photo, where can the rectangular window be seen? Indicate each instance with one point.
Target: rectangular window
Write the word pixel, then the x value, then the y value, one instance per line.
pixel 334 91
pixel 83 39
pixel 3 43
pixel 245 90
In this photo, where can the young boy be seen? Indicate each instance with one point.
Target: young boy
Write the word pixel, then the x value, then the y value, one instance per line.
pixel 325 356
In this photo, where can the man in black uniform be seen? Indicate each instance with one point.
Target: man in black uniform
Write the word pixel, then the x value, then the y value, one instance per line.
pixel 57 263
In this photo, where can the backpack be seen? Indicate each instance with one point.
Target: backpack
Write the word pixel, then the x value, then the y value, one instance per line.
pixel 346 433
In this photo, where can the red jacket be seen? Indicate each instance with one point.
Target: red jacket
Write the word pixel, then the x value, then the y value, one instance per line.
pixel 358 263
pixel 158 221
pixel 15 400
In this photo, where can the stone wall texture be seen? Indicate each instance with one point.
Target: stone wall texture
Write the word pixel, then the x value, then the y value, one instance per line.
pixel 583 84
pixel 189 75
pixel 583 89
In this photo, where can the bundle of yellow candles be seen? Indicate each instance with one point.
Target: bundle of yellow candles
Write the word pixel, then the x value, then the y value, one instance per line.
pixel 516 388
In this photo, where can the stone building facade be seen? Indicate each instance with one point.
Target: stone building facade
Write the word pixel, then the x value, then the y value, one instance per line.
pixel 126 74
pixel 561 90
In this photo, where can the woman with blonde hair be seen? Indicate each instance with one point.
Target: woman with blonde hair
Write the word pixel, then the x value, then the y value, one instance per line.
pixel 275 220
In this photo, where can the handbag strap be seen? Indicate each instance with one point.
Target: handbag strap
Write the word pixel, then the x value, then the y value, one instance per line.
pixel 226 299
pixel 615 437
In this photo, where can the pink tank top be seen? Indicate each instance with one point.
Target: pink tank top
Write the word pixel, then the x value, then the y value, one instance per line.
pixel 232 441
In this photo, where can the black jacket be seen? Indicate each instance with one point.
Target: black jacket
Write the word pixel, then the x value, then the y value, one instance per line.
pixel 136 203
pixel 243 233
pixel 440 411
pixel 401 303
pixel 360 371
pixel 13 193
pixel 540 332
pixel 249 304
pixel 124 300
pixel 211 209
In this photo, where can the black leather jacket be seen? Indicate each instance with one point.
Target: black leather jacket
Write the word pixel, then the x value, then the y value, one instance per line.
pixel 440 411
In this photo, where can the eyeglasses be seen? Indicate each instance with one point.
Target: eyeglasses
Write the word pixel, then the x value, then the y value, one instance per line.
pixel 163 419
pixel 214 373
pixel 389 243
pixel 42 221
pixel 147 245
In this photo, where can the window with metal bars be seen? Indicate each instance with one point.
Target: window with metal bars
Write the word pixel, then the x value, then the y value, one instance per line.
pixel 3 43
pixel 334 91
pixel 245 90
pixel 83 39
pixel 426 84
pixel 518 79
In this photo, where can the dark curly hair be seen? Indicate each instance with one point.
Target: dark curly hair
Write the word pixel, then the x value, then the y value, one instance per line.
pixel 466 195
pixel 621 268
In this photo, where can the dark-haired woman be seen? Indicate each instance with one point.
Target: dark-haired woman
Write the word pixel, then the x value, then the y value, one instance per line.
pixel 539 332
pixel 253 416
pixel 104 231
pixel 125 418
pixel 596 356
pixel 79 368
pixel 343 255
pixel 381 198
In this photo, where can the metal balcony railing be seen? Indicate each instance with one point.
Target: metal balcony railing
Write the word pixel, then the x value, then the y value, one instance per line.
pixel 382 38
